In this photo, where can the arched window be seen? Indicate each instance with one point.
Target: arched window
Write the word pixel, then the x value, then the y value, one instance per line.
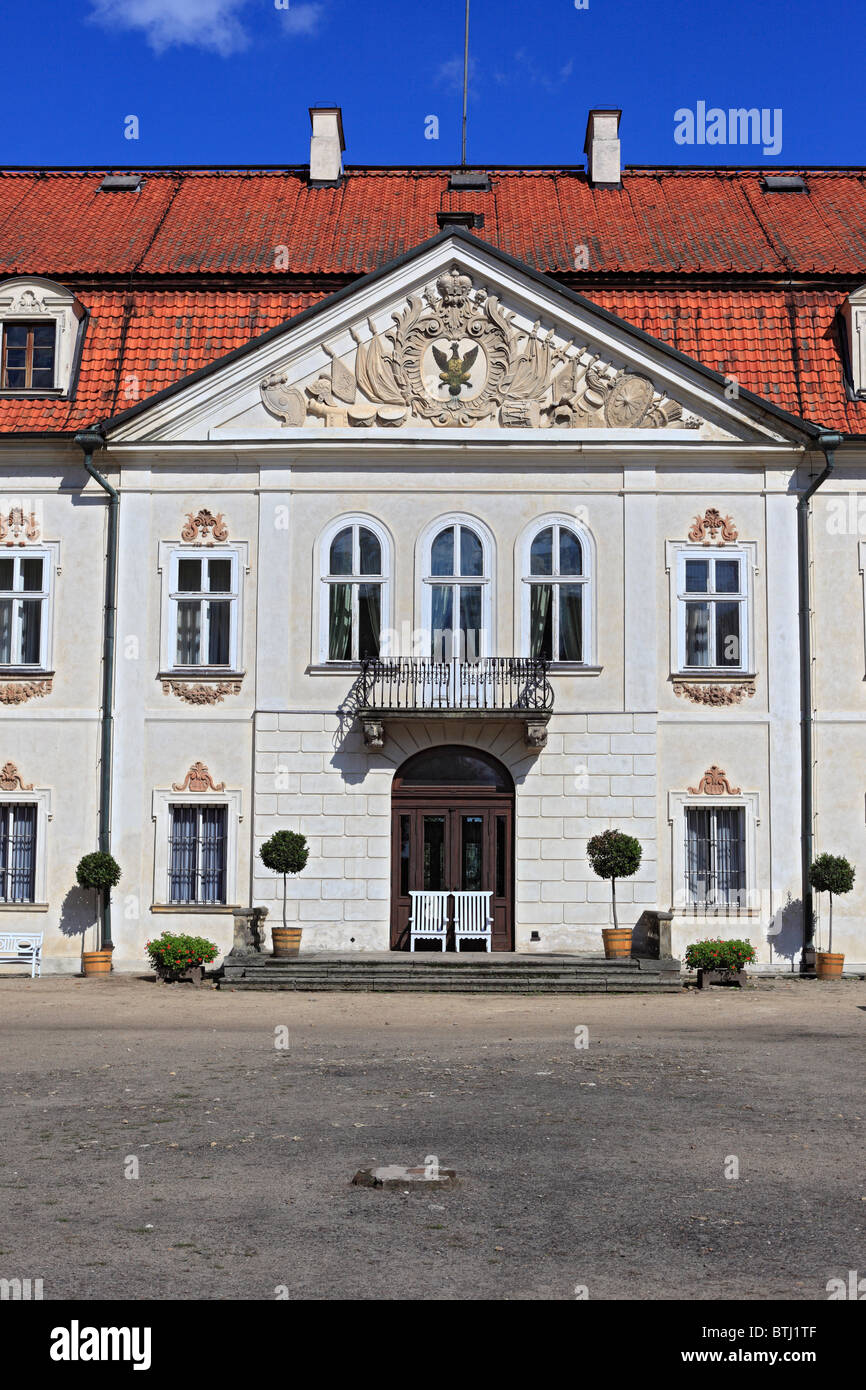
pixel 457 590
pixel 355 565
pixel 557 594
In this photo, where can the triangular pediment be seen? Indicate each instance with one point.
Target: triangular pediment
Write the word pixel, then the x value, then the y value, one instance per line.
pixel 454 339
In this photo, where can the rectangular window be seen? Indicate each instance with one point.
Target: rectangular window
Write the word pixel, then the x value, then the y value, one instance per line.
pixel 197 854
pixel 712 603
pixel 715 857
pixel 23 600
pixel 28 356
pixel 17 853
pixel 205 602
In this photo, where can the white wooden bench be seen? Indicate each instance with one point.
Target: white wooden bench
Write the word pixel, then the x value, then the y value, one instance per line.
pixel 22 948
pixel 472 918
pixel 429 919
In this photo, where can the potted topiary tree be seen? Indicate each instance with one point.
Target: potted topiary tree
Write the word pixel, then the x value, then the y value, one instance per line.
pixel 830 873
pixel 99 872
pixel 285 853
pixel 613 855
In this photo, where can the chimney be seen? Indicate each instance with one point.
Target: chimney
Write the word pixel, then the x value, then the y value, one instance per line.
pixel 326 145
pixel 601 148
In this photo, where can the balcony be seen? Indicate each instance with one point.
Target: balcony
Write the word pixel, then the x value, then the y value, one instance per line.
pixel 499 687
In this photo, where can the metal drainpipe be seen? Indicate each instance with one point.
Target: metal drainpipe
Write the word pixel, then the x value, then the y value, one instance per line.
pixel 827 442
pixel 89 442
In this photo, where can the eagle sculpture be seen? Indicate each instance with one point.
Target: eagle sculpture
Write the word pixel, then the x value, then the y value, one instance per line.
pixel 455 370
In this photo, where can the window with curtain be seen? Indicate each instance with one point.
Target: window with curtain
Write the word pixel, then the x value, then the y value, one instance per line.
pixel 204 600
pixel 17 852
pixel 457 582
pixel 712 611
pixel 715 857
pixel 23 606
pixel 197 854
pixel 557 594
pixel 355 581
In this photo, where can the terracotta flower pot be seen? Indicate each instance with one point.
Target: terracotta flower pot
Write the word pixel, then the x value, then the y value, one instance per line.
pixel 617 942
pixel 287 941
pixel 828 965
pixel 97 963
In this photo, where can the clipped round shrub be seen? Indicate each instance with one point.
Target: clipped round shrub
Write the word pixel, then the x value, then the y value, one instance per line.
pixel 831 873
pixel 285 852
pixel 613 855
pixel 99 871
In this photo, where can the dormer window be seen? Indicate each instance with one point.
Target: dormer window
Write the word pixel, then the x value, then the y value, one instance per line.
pixel 854 313
pixel 40 332
pixel 28 356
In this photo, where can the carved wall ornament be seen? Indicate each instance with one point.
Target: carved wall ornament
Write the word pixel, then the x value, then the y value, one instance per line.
pixel 705 528
pixel 199 693
pixel 16 528
pixel 10 779
pixel 28 302
pixel 203 524
pixel 16 692
pixel 456 357
pixel 198 779
pixel 714 783
pixel 714 694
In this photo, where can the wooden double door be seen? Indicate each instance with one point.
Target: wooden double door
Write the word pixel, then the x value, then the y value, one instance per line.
pixel 446 840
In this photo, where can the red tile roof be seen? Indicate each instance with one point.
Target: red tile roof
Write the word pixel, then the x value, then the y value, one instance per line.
pixel 200 261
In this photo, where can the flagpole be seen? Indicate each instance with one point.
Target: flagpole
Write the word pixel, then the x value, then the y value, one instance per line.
pixel 465 85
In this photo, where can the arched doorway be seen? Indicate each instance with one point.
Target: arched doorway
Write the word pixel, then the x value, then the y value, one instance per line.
pixel 452 819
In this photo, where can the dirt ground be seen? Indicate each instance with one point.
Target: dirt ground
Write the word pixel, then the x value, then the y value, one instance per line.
pixel 600 1167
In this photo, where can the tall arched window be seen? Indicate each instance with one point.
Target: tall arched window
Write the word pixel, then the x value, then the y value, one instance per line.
pixel 557 610
pixel 355 579
pixel 457 598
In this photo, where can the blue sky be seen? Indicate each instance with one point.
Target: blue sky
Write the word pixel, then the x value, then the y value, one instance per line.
pixel 229 81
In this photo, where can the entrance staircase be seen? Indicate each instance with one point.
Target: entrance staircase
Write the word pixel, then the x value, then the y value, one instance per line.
pixel 469 972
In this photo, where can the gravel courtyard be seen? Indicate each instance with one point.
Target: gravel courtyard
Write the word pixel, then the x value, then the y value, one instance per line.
pixel 601 1167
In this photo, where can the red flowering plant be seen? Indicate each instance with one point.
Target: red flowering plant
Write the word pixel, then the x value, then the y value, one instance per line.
pixel 716 954
pixel 172 954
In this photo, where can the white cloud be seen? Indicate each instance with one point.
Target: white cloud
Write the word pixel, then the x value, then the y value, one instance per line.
pixel 211 24
pixel 304 18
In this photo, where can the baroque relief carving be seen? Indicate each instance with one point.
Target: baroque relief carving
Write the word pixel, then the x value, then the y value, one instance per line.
pixel 16 528
pixel 204 523
pixel 455 357
pixel 198 779
pixel 16 692
pixel 714 694
pixel 705 528
pixel 10 779
pixel 714 783
pixel 198 693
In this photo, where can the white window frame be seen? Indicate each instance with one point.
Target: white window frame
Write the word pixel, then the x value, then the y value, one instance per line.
pixel 678 802
pixel 41 799
pixel 587 580
pixel 161 813
pixel 48 551
pixel 33 299
pixel 169 555
pixel 676 555
pixel 326 579
pixel 426 580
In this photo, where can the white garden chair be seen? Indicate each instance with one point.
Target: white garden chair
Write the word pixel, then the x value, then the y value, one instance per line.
pixel 472 918
pixel 429 919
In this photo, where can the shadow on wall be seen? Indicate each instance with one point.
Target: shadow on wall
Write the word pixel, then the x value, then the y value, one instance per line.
pixel 77 912
pixel 785 931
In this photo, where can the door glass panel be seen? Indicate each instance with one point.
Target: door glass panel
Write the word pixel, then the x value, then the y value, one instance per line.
pixel 501 842
pixel 472 854
pixel 405 822
pixel 434 854
pixel 443 622
pixel 570 622
pixel 470 623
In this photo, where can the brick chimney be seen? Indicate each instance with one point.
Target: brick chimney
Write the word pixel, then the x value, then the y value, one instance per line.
pixel 601 148
pixel 326 145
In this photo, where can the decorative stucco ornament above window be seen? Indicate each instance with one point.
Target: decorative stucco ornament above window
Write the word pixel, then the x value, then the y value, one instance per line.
pixel 17 529
pixel 198 779
pixel 204 528
pixel 712 524
pixel 457 358
pixel 10 779
pixel 714 783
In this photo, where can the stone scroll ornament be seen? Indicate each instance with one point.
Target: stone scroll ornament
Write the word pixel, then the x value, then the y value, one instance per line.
pixel 204 527
pixel 712 524
pixel 198 779
pixel 10 779
pixel 17 529
pixel 714 783
pixel 455 357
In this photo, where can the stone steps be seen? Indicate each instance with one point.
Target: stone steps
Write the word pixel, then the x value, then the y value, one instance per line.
pixel 576 975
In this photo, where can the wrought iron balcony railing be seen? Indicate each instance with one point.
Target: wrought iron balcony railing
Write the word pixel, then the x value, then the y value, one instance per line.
pixel 508 684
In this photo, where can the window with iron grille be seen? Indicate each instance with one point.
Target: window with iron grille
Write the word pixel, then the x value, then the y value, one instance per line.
pixel 28 356
pixel 715 857
pixel 204 603
pixel 197 854
pixel 17 852
pixel 23 606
